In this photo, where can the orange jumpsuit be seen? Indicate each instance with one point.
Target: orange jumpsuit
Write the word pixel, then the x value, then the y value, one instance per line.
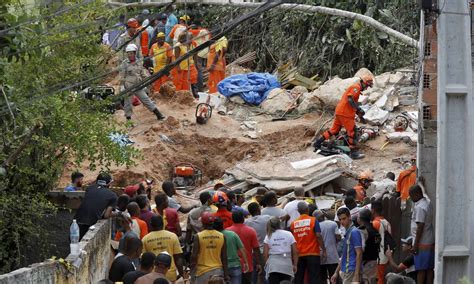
pixel 406 179
pixel 345 114
pixel 218 74
pixel 187 73
pixel 160 54
pixel 143 41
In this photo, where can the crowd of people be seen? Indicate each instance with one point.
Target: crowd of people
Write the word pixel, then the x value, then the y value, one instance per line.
pixel 149 42
pixel 231 240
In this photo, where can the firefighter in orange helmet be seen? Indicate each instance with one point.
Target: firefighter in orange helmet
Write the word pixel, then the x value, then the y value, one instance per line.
pixel 346 110
pixel 365 179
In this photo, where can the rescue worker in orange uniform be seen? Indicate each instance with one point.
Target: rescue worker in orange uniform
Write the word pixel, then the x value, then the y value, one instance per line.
pixel 346 110
pixel 162 54
pixel 179 28
pixel 133 27
pixel 365 179
pixel 216 64
pixel 186 72
pixel 406 179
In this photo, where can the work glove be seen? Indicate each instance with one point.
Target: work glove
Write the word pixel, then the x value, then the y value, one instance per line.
pixel 360 113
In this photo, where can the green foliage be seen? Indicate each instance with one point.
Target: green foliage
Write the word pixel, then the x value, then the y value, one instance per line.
pixel 321 44
pixel 38 57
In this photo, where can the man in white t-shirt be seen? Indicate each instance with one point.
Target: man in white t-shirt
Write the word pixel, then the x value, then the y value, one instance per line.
pixel 291 208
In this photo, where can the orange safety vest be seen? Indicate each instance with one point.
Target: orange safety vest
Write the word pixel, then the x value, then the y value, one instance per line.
pixel 303 230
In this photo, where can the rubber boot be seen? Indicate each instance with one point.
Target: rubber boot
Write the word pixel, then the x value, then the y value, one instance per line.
pixel 355 155
pixel 158 114
pixel 317 144
pixel 194 90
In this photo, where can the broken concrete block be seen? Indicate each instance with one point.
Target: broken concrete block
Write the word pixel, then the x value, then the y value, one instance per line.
pixel 408 91
pixel 331 92
pixel 363 99
pixel 373 94
pixel 250 124
pixel 387 79
pixel 309 102
pixel 277 101
pixel 405 136
pixel 298 90
pixel 407 100
pixel 376 116
pixel 251 134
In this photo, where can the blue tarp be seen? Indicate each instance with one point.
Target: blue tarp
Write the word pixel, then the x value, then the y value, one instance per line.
pixel 253 88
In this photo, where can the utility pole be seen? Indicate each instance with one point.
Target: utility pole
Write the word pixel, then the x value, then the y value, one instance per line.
pixel 455 155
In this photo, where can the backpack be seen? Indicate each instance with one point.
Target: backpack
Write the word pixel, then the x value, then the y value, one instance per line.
pixel 372 245
pixel 388 240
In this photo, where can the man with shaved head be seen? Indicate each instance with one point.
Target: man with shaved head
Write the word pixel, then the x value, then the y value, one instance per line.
pixel 291 208
pixel 309 243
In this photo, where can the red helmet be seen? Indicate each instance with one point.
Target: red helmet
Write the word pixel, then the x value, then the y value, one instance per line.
pixel 207 218
pixel 220 198
pixel 133 23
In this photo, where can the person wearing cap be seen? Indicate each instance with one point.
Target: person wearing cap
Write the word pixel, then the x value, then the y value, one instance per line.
pixel 346 110
pixel 209 256
pixel 159 240
pixel 309 244
pixel 216 63
pixel 98 203
pixel 147 260
pixel 220 200
pixel 407 266
pixel 406 179
pixel 330 235
pixel 130 36
pixel 162 54
pixel 131 73
pixel 163 262
pixel 200 36
pixel 186 72
pixel 365 179
pixel 179 28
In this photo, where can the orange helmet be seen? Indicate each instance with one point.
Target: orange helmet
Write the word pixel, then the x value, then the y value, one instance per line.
pixel 133 23
pixel 368 79
pixel 220 198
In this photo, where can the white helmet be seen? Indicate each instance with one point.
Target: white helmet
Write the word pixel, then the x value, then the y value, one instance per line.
pixel 131 47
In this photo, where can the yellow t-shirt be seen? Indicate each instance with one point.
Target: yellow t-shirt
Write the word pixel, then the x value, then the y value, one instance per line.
pixel 211 243
pixel 161 55
pixel 160 241
pixel 183 50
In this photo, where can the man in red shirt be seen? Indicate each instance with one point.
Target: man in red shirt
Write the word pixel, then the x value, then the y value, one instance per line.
pixel 220 199
pixel 345 113
pixel 309 243
pixel 248 236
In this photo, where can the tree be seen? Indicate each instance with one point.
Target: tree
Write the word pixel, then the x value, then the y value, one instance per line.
pixel 42 50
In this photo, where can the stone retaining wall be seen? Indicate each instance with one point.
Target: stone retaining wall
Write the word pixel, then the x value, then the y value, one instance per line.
pixel 90 266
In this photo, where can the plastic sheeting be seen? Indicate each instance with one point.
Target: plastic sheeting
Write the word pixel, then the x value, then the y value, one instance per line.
pixel 253 88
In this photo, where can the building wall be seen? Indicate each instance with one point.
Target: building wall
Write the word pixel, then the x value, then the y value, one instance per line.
pixel 90 266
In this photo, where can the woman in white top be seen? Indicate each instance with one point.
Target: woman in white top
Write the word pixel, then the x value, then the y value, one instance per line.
pixel 279 253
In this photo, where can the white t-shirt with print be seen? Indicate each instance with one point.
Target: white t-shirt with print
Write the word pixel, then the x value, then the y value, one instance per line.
pixel 280 242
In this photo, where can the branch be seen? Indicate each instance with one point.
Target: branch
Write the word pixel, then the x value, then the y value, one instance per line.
pixel 14 156
pixel 299 7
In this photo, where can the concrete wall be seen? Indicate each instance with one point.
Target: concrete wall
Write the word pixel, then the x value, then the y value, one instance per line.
pixel 89 267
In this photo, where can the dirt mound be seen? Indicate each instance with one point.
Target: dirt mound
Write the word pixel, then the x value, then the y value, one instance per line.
pixel 167 90
pixel 183 98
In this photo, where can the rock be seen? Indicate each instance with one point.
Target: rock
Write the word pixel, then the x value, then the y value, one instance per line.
pixel 363 99
pixel 298 90
pixel 250 124
pixel 387 79
pixel 167 89
pixel 277 101
pixel 237 100
pixel 309 102
pixel 388 101
pixel 408 91
pixel 376 116
pixel 407 100
pixel 251 134
pixel 405 136
pixel 331 91
pixel 374 94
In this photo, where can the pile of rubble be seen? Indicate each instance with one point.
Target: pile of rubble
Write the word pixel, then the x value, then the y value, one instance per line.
pixel 390 105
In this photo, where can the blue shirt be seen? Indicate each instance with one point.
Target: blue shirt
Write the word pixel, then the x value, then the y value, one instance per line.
pixel 70 187
pixel 170 23
pixel 353 240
